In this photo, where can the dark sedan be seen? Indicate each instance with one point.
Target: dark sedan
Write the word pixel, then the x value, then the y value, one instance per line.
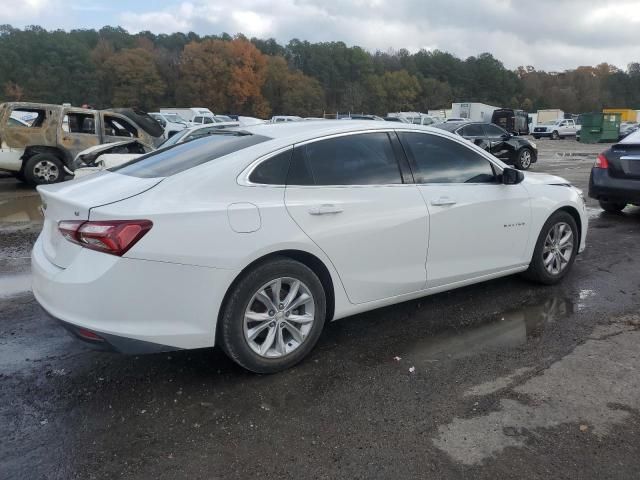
pixel 511 149
pixel 615 177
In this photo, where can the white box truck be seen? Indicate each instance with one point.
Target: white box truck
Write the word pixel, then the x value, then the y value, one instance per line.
pixel 473 111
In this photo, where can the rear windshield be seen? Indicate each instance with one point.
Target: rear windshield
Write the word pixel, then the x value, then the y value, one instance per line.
pixel 183 156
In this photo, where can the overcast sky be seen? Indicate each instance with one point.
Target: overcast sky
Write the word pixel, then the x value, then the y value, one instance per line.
pixel 549 34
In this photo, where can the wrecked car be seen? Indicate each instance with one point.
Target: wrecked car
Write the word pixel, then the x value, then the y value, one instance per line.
pixel 43 150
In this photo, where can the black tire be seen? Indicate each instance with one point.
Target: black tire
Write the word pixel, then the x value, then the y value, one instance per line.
pixel 555 135
pixel 231 325
pixel 43 168
pixel 537 137
pixel 537 271
pixel 524 159
pixel 612 207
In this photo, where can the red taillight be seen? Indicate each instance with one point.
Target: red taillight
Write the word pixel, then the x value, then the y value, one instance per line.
pixel 601 161
pixel 89 335
pixel 111 236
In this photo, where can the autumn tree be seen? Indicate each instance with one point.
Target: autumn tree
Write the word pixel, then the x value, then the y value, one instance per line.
pixel 135 79
pixel 226 76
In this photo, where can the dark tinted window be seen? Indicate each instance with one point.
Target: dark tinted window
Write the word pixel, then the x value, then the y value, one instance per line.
pixel 363 159
pixel 272 171
pixel 183 156
pixel 441 160
pixel 473 130
pixel 494 130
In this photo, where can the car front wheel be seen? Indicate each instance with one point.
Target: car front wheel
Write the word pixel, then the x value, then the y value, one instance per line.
pixel 612 207
pixel 555 249
pixel 274 316
pixel 555 136
pixel 524 158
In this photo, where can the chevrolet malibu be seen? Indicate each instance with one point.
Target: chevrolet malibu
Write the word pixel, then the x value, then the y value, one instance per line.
pixel 253 239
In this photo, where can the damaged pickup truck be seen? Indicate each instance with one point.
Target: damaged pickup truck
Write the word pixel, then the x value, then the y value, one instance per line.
pixel 42 149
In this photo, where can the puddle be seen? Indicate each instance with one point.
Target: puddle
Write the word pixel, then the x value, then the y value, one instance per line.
pixel 14 284
pixel 21 209
pixel 506 330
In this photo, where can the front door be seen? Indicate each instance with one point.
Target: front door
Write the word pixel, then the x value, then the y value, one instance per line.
pixel 347 194
pixel 117 128
pixel 498 139
pixel 477 225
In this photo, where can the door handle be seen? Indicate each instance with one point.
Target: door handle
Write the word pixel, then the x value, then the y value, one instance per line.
pixel 443 201
pixel 325 209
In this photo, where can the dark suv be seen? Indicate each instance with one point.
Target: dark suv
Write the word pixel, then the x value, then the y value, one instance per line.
pixel 511 149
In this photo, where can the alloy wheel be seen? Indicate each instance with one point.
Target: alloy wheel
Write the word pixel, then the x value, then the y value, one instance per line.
pixel 525 159
pixel 558 248
pixel 46 171
pixel 279 317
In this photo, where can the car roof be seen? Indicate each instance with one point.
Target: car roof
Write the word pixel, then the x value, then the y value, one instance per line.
pixel 301 131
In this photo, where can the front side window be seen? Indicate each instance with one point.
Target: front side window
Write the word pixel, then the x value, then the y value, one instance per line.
pixel 208 120
pixel 494 130
pixel 362 159
pixel 197 120
pixel 118 127
pixel 441 160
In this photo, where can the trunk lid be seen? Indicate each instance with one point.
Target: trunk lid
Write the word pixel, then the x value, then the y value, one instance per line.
pixel 74 200
pixel 624 160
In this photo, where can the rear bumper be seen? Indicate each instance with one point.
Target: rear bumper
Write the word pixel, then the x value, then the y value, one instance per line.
pixel 112 343
pixel 602 186
pixel 130 302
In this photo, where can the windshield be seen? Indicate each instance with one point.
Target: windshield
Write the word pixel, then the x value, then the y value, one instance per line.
pixel 174 117
pixel 175 138
pixel 183 156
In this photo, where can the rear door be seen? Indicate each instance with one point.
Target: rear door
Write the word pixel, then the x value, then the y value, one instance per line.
pixel 477 225
pixel 348 194
pixel 78 131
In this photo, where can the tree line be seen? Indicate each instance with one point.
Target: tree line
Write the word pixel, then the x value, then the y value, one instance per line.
pixel 113 68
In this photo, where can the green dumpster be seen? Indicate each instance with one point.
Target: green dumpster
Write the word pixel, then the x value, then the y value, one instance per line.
pixel 599 127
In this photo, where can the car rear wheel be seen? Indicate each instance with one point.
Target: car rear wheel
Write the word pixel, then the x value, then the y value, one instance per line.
pixel 43 168
pixel 524 158
pixel 555 249
pixel 274 316
pixel 612 207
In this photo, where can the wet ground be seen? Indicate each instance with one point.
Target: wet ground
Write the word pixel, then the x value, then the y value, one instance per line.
pixel 500 380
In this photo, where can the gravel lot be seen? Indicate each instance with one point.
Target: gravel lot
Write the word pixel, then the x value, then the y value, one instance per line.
pixel 511 380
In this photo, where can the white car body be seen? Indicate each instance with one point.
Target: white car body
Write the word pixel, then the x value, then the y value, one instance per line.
pixel 379 244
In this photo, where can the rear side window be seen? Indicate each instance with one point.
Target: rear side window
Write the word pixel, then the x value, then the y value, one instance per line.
pixel 29 117
pixel 272 171
pixel 441 160
pixel 183 156
pixel 474 130
pixel 362 159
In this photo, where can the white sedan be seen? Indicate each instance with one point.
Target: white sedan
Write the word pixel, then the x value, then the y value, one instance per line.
pixel 253 239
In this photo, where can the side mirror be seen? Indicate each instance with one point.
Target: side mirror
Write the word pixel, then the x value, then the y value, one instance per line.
pixel 511 176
